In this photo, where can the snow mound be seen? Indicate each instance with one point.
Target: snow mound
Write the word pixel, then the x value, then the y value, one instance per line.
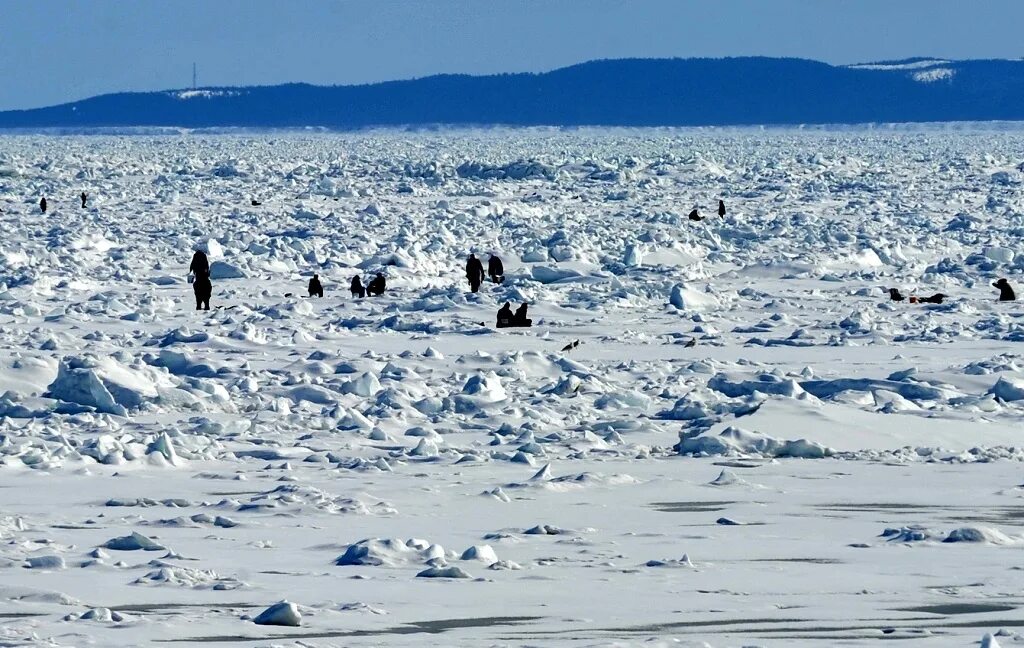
pixel 737 442
pixel 1008 389
pixel 225 270
pixel 481 553
pixel 690 299
pixel 45 562
pixel 390 552
pixel 105 384
pixel 978 534
pixel 171 575
pixel 280 614
pixel 443 572
pixel 134 542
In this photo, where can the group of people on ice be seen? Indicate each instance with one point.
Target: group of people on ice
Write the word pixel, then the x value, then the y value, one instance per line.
pixel 203 287
pixel 1005 294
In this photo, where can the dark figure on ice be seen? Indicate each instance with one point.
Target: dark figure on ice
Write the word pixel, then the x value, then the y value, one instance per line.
pixel 84 196
pixel 315 288
pixel 357 287
pixel 694 216
pixel 204 290
pixel 1005 292
pixel 42 204
pixel 255 203
pixel 505 316
pixel 200 264
pixel 376 286
pixel 721 208
pixel 934 299
pixel 520 318
pixel 474 272
pixel 200 267
pixel 495 269
pixel 895 295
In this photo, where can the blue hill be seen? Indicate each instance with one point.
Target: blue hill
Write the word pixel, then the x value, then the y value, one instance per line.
pixel 627 92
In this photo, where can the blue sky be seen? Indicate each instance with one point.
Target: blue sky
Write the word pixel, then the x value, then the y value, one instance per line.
pixel 53 51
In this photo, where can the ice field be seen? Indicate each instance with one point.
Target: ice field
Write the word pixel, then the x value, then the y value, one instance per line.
pixel 751 445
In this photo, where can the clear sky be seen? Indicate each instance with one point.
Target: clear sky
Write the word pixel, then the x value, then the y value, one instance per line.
pixel 53 51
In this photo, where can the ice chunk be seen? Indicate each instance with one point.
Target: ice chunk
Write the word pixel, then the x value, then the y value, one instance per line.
pixel 280 614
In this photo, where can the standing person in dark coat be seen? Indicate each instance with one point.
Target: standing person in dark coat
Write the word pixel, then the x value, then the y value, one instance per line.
pixel 42 204
pixel 495 269
pixel 315 288
pixel 201 285
pixel 474 272
pixel 200 264
pixel 520 318
pixel 357 287
pixel 1005 292
pixel 203 289
pixel 377 286
pixel 84 197
pixel 721 208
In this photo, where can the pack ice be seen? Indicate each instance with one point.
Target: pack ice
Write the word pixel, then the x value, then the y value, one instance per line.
pixel 716 433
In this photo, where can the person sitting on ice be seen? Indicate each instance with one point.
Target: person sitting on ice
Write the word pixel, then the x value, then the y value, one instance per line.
pixel 895 295
pixel 377 286
pixel 495 269
pixel 520 318
pixel 695 216
pixel 1005 292
pixel 357 287
pixel 505 316
pixel 934 299
pixel 315 288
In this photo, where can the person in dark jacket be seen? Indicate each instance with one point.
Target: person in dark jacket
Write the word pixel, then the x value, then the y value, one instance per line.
pixel 200 264
pixel 203 289
pixel 42 204
pixel 1005 291
pixel 937 298
pixel 895 294
pixel 377 286
pixel 495 269
pixel 695 216
pixel 520 318
pixel 505 316
pixel 84 196
pixel 201 285
pixel 474 272
pixel 357 287
pixel 721 207
pixel 315 288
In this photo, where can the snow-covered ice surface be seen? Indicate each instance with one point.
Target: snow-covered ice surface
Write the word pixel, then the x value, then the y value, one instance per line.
pixel 750 445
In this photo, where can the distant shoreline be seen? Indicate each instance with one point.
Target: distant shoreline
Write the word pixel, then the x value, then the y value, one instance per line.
pixel 497 129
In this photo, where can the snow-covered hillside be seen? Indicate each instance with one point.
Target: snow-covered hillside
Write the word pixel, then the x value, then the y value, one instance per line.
pixel 749 445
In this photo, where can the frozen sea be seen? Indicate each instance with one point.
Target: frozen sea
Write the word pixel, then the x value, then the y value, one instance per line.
pixel 717 432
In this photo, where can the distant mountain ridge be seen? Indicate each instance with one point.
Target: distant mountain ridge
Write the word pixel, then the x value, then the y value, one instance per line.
pixel 622 92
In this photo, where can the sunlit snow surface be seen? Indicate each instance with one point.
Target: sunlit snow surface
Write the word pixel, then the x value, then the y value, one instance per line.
pixel 821 467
